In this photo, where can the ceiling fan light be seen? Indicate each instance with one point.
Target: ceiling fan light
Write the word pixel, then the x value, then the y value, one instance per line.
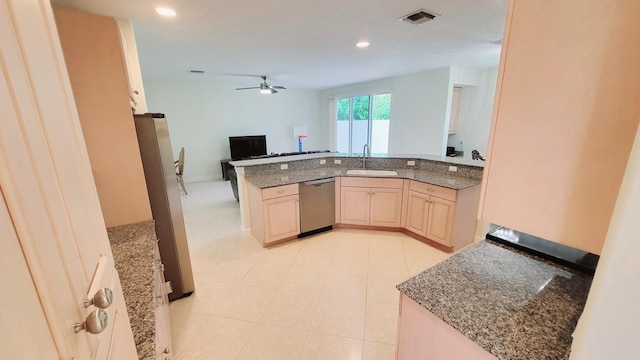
pixel 265 91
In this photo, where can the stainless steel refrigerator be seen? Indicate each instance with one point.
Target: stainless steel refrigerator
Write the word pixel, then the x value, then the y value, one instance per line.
pixel 162 185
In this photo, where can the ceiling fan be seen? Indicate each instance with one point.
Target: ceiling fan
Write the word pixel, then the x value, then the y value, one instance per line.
pixel 264 87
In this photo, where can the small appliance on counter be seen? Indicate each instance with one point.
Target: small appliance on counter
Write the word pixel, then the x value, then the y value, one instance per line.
pixel 451 151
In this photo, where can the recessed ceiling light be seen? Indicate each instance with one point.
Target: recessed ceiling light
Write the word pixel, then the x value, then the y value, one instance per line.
pixel 363 44
pixel 165 11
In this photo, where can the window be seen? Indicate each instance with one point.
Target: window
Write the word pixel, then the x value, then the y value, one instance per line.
pixel 363 120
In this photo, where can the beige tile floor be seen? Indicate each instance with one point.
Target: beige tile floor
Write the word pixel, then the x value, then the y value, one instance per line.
pixel 328 296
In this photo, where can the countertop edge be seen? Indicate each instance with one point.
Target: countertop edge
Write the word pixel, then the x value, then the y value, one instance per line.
pixel 132 246
pixel 273 180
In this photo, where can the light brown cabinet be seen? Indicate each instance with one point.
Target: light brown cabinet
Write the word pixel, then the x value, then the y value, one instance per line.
pixel 275 213
pixel 564 119
pixel 430 217
pixel 441 214
pixel 371 201
pixel 92 47
pixel 455 110
pixel 163 335
pixel 422 335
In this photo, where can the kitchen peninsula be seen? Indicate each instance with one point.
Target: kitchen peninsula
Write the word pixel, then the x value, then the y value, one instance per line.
pixel 491 301
pixel 430 198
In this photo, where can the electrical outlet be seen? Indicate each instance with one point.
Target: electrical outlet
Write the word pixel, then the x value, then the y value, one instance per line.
pixel 337 161
pixel 323 161
pixel 453 168
pixel 284 166
pixel 411 162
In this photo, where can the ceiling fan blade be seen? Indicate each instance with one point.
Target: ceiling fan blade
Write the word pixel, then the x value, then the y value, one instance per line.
pixel 274 91
pixel 279 87
pixel 247 88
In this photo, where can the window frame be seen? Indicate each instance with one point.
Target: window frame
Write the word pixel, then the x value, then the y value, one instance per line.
pixel 351 119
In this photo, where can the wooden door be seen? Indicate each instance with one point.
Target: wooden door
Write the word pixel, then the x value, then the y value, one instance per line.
pixel 386 207
pixel 440 220
pixel 46 182
pixel 281 217
pixel 354 205
pixel 418 208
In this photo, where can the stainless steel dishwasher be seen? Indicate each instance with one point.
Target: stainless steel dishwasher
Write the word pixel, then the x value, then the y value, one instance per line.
pixel 317 206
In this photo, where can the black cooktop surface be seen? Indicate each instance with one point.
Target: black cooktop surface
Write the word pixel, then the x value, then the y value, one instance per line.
pixel 558 253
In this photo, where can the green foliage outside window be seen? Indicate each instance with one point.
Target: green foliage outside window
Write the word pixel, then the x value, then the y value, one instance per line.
pixel 361 108
pixel 382 107
pixel 343 109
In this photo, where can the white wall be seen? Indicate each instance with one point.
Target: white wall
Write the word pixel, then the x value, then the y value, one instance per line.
pixel 476 108
pixel 202 116
pixel 609 327
pixel 419 108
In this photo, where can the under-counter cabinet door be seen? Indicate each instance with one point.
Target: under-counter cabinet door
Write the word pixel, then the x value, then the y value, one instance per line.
pixel 274 213
pixel 355 205
pixel 418 207
pixel 440 220
pixel 386 207
pixel 54 225
pixel 161 300
pixel 281 217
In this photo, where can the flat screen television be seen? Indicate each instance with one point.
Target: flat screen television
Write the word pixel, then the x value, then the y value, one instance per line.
pixel 244 147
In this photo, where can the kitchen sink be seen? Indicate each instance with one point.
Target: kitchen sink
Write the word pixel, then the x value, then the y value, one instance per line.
pixel 371 172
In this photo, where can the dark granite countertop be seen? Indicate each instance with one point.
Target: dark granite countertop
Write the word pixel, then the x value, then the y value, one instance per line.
pixel 133 252
pixel 426 176
pixel 512 304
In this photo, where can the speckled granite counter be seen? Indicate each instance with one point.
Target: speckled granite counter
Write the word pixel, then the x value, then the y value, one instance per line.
pixel 426 176
pixel 514 305
pixel 263 174
pixel 133 250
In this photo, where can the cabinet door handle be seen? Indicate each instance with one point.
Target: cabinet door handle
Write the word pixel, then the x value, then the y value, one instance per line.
pixel 95 322
pixel 101 299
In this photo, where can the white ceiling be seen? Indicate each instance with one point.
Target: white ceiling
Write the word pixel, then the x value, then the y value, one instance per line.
pixel 305 44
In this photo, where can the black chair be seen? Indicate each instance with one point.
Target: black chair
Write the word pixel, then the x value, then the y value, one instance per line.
pixel 233 178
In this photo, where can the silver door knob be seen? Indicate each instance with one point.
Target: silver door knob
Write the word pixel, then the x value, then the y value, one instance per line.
pixel 95 323
pixel 101 299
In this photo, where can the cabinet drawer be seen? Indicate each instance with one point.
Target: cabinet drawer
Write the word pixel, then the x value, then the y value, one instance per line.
pixel 279 191
pixel 371 182
pixel 437 191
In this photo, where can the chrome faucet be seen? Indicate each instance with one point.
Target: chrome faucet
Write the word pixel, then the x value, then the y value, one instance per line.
pixel 365 153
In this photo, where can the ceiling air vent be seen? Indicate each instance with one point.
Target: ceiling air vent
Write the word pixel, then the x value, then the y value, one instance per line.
pixel 418 17
pixel 196 71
